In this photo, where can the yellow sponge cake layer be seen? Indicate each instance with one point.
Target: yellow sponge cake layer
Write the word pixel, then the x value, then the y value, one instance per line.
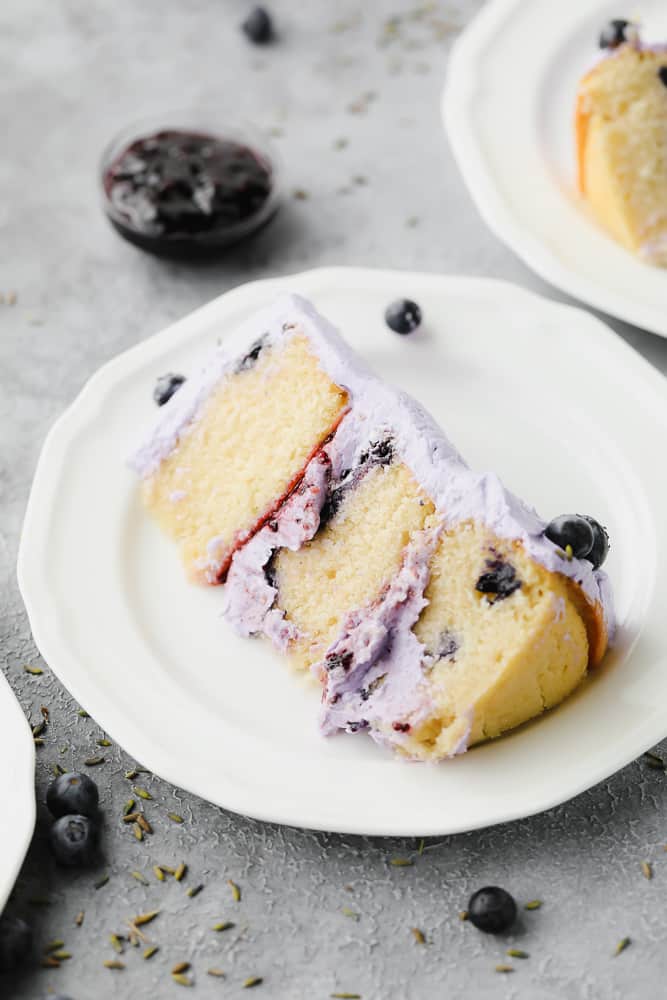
pixel 507 656
pixel 621 133
pixel 243 453
pixel 350 559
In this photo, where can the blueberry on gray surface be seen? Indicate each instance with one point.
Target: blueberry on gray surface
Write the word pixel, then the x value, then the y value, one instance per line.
pixel 258 26
pixel 73 841
pixel 403 316
pixel 499 580
pixel 573 530
pixel 71 794
pixel 613 34
pixel 600 549
pixel 492 910
pixel 166 386
pixel 15 942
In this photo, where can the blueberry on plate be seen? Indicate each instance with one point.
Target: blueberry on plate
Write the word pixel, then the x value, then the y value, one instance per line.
pixel 403 316
pixel 71 794
pixel 258 26
pixel 600 549
pixel 573 530
pixel 15 942
pixel 492 910
pixel 614 34
pixel 166 386
pixel 74 841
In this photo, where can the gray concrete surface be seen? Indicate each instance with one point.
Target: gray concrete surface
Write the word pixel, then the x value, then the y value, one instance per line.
pixel 72 73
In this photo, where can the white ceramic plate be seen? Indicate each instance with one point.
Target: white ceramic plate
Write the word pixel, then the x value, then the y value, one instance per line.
pixel 544 393
pixel 508 106
pixel 17 816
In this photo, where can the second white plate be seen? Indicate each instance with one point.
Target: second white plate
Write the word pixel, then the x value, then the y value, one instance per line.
pixel 508 106
pixel 516 380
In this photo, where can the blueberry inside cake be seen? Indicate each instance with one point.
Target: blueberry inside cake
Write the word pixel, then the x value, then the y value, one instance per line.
pixel 434 608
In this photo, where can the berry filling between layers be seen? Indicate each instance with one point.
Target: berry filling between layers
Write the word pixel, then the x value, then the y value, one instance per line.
pixel 335 469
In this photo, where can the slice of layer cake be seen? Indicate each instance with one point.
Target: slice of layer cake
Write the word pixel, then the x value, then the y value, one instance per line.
pixel 621 136
pixel 426 599
pixel 232 443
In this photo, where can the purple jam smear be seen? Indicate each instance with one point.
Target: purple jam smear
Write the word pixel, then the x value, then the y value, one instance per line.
pixel 176 190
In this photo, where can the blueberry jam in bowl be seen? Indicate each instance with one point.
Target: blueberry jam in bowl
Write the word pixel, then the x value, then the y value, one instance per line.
pixel 178 186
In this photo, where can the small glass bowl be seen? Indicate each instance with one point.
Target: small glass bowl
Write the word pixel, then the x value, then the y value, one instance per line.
pixel 201 243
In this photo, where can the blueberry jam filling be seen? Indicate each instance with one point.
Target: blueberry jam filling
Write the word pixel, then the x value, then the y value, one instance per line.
pixel 248 360
pixel 499 580
pixel 614 34
pixel 401 727
pixel 180 187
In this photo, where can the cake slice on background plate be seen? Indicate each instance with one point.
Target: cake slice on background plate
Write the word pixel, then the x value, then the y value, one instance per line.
pixel 621 138
pixel 435 608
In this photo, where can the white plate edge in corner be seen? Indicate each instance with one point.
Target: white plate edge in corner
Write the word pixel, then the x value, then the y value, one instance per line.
pixel 457 97
pixel 18 824
pixel 172 768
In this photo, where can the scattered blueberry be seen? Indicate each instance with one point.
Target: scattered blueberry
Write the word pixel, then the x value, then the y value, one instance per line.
pixel 613 34
pixel 403 316
pixel 573 530
pixel 258 26
pixel 15 942
pixel 600 549
pixel 166 386
pixel 492 910
pixel 500 579
pixel 74 840
pixel 72 793
pixel 662 73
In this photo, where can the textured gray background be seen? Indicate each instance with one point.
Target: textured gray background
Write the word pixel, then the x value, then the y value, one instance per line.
pixel 71 73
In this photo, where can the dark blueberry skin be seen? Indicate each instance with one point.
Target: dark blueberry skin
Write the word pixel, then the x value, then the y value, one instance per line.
pixel 258 26
pixel 15 942
pixel 71 794
pixel 403 316
pixel 662 73
pixel 600 549
pixel 500 580
pixel 74 841
pixel 166 386
pixel 586 536
pixel 613 34
pixel 492 910
pixel 573 530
